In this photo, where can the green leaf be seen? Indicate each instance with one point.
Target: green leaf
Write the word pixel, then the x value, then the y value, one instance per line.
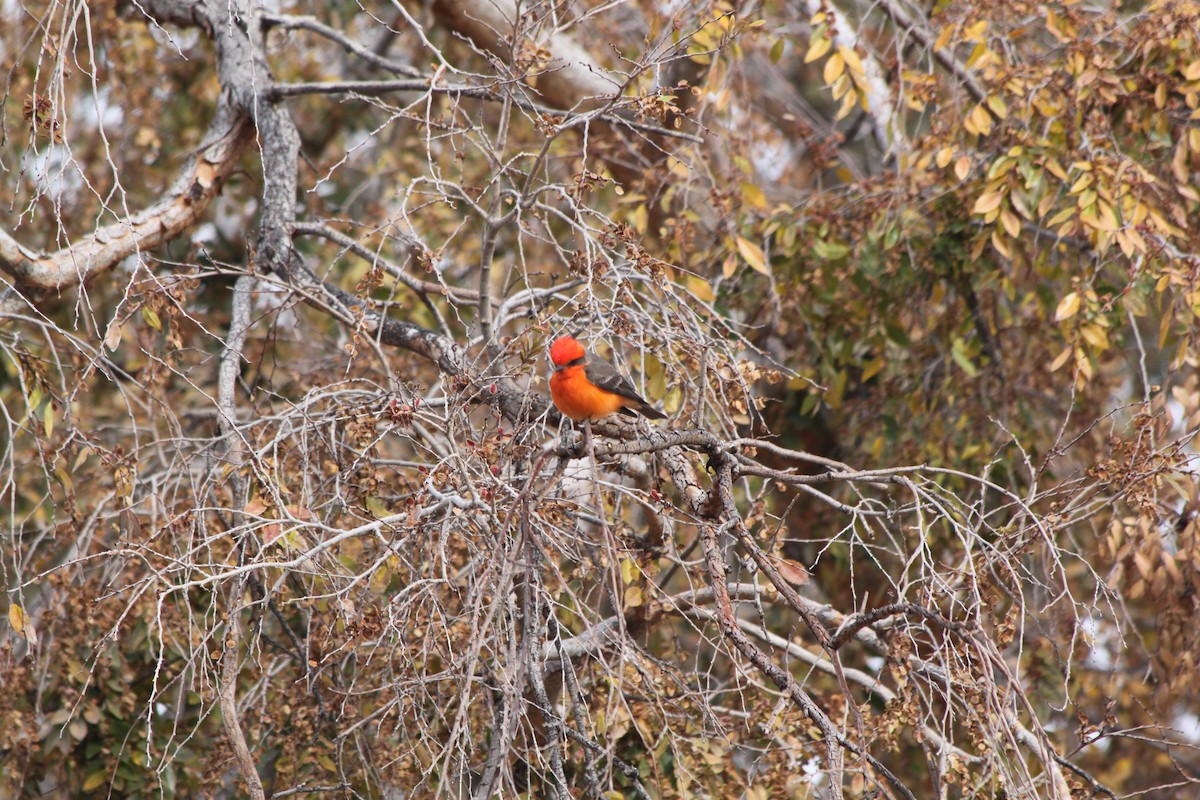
pixel 897 334
pixel 958 353
pixel 777 51
pixel 891 237
pixel 151 318
pixel 830 251
pixel 376 507
pixel 95 780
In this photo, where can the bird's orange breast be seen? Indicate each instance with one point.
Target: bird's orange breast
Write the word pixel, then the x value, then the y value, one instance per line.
pixel 578 398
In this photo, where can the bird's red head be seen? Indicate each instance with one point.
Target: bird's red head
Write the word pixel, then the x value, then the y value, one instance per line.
pixel 565 350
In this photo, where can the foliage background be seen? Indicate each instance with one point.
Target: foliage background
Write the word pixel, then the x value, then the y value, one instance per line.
pixel 285 507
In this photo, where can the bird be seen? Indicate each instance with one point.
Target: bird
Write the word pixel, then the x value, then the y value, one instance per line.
pixel 586 390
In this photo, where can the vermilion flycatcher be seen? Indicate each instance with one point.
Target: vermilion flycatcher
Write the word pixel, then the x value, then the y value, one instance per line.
pixel 586 390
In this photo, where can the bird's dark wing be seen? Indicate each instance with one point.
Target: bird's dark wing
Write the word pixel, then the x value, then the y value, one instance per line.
pixel 605 375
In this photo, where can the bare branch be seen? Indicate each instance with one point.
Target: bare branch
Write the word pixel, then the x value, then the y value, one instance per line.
pixel 570 79
pixel 231 717
pixel 199 182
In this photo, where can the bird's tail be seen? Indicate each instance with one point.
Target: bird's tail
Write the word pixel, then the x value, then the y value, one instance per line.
pixel 649 412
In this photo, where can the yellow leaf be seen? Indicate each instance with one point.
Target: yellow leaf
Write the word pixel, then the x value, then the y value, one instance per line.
pixel 1053 25
pixel 640 217
pixel 1061 216
pixel 1000 243
pixel 1095 336
pixel 48 419
pixel 943 157
pixel 1019 204
pixel 1067 307
pixel 1063 357
pixel 1108 217
pixel 1126 242
pixel 754 196
pixel 1135 240
pixel 872 368
pixel 837 390
pixel 981 119
pixel 1192 71
pixel 700 289
pixel 729 267
pixel 848 103
pixel 753 255
pixel 22 625
pixel 627 571
pixel 834 68
pixel 817 48
pixel 975 32
pixel 987 202
pixel 1164 330
pixel 842 87
pixel 1012 226
pixel 980 57
pixel 969 125
pixel 1047 203
pixel 1084 364
pixel 672 400
pixel 944 37
pixel 1084 182
pixel 852 60
pixel 962 168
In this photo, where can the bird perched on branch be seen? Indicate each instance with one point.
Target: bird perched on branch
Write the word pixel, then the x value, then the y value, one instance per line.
pixel 585 389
